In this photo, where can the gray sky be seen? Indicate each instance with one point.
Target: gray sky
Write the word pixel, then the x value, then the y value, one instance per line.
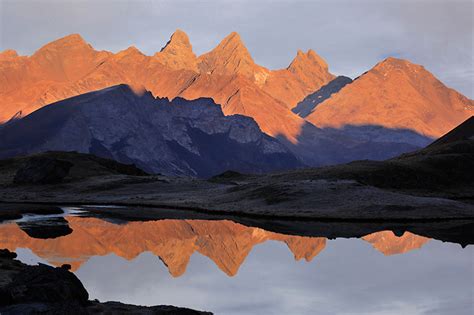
pixel 352 35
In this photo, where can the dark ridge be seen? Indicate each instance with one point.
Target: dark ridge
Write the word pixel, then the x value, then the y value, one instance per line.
pixel 56 167
pixel 464 131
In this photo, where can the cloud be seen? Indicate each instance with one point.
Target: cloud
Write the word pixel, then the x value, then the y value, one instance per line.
pixel 351 35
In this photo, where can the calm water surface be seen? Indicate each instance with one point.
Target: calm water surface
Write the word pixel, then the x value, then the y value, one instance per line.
pixel 228 268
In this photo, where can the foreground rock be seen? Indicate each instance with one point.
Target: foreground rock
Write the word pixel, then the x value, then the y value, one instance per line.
pixel 43 289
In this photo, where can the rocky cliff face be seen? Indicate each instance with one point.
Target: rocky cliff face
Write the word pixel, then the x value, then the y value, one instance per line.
pixel 131 126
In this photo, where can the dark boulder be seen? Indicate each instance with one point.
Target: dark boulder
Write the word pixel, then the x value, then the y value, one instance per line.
pixel 46 284
pixel 5 253
pixel 43 289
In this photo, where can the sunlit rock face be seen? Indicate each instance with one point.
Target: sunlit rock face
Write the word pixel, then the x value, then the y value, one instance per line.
pixel 178 53
pixel 396 94
pixel 388 243
pixel 226 243
pixel 131 126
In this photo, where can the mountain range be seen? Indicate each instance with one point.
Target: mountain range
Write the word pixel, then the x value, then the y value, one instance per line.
pixel 321 119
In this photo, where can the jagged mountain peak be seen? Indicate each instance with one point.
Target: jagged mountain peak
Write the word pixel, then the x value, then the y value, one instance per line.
pixel 311 70
pixel 233 44
pixel 307 59
pixel 178 52
pixel 230 56
pixel 233 37
pixel 178 41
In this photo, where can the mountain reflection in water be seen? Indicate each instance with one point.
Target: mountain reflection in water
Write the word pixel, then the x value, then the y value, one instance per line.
pixel 226 243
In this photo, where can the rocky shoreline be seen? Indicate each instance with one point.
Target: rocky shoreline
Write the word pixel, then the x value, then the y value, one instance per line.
pixel 43 289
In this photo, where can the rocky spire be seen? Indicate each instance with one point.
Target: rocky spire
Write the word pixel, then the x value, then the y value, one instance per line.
pixel 310 69
pixel 309 59
pixel 229 57
pixel 179 41
pixel 178 52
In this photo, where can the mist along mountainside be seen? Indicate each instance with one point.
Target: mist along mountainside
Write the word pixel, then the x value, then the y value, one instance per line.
pixel 393 108
pixel 181 137
pixel 433 183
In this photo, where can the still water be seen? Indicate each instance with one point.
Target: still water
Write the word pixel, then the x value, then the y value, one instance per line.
pixel 229 268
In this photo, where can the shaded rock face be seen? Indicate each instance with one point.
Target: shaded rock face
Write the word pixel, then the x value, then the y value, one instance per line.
pixel 174 138
pixel 306 106
pixel 42 170
pixel 329 146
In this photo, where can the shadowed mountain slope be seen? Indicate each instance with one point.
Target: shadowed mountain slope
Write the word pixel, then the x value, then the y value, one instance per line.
pixel 306 106
pixel 177 138
pixel 446 163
